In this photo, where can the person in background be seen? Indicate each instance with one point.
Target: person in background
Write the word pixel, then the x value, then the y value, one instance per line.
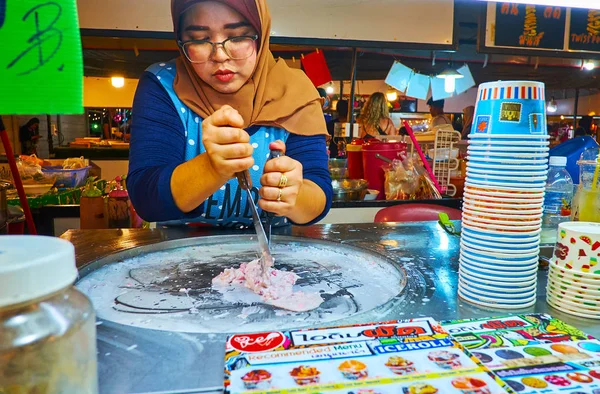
pixel 436 109
pixel 468 113
pixel 375 118
pixel 585 126
pixel 325 103
pixel 29 134
pixel 342 117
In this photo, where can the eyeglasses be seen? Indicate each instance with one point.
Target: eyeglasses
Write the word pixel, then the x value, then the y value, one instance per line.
pixel 236 48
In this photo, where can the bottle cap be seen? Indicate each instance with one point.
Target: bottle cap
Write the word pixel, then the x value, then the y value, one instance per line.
pixel 558 161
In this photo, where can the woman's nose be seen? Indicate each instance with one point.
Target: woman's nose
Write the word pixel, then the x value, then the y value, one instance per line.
pixel 219 54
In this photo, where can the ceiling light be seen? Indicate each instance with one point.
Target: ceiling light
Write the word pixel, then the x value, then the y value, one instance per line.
pixel 329 89
pixel 392 95
pixel 117 82
pixel 552 106
pixel 588 65
pixel 450 76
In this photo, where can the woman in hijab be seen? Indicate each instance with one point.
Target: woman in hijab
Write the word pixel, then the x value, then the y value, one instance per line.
pixel 468 113
pixel 219 109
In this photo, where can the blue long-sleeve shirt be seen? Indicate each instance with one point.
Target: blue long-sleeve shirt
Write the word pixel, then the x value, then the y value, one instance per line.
pixel 158 145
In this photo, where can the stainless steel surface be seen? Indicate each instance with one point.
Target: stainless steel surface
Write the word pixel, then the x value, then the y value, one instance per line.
pixel 263 244
pixel 168 285
pixel 133 360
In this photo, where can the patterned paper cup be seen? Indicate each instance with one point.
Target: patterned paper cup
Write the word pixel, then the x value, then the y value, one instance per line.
pixel 572 294
pixel 508 228
pixel 578 247
pixel 517 273
pixel 508 247
pixel 508 142
pixel 498 258
pixel 517 232
pixel 579 275
pixel 506 173
pixel 574 289
pixel 504 196
pixel 578 305
pixel 504 167
pixel 498 208
pixel 515 108
pixel 501 260
pixel 496 239
pixel 514 275
pixel 561 275
pixel 539 160
pixel 494 283
pixel 492 296
pixel 492 150
pixel 494 304
pixel 571 310
pixel 487 204
pixel 515 184
pixel 501 218
pixel 469 284
pixel 502 249
pixel 499 137
pixel 509 189
pixel 533 182
pixel 504 280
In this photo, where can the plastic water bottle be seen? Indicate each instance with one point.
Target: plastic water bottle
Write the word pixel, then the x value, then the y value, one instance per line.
pixel 558 199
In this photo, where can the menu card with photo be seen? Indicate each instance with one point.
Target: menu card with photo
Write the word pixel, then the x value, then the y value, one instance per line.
pixel 409 356
pixel 533 353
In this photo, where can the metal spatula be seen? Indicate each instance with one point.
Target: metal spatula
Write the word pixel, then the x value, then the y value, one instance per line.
pixel 266 259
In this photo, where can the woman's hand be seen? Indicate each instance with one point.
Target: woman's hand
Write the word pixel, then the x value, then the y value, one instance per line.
pixel 226 143
pixel 281 183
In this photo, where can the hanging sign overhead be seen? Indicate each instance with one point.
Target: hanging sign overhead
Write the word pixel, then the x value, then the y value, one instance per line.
pixel 530 26
pixel 584 33
pixel 512 27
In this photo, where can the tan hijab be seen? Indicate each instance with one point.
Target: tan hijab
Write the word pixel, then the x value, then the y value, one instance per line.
pixel 275 95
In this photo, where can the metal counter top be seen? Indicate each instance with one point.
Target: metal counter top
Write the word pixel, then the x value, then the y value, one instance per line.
pixel 134 360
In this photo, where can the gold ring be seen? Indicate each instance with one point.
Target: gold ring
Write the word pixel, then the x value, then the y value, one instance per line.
pixel 283 181
pixel 280 194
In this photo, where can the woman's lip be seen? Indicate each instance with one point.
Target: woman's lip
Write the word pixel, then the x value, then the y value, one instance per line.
pixel 224 76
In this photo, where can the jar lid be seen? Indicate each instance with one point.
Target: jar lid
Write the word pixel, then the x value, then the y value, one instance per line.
pixel 34 266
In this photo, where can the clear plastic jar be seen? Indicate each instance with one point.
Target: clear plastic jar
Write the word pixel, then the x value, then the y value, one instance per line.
pixel 47 330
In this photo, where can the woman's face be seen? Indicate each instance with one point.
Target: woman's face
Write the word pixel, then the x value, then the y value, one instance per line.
pixel 216 22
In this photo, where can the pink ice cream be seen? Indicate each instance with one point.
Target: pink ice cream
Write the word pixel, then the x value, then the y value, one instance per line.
pixel 275 288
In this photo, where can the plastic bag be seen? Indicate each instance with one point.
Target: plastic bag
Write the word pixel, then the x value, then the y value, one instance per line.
pixel 408 180
pixel 74 163
pixel 29 170
pixel 400 180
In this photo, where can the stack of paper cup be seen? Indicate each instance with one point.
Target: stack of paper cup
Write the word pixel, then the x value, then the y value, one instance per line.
pixel 504 196
pixel 574 277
